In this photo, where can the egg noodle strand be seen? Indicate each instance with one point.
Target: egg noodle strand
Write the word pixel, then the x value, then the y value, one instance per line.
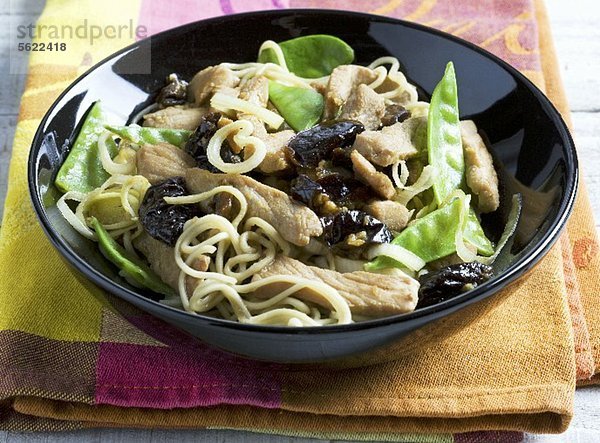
pixel 115 203
pixel 231 285
pixel 404 91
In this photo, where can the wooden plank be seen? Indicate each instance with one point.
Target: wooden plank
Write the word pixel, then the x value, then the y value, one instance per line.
pixel 577 36
pixel 149 436
pixel 586 133
pixel 21 7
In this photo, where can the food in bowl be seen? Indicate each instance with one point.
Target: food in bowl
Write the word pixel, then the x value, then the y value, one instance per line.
pixel 297 190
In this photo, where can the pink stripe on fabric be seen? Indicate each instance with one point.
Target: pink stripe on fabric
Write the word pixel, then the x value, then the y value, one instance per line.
pixel 489 437
pixel 183 374
pixel 510 32
pixel 157 15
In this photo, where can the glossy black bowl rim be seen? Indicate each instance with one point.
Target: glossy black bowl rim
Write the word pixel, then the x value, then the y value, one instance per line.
pixel 510 274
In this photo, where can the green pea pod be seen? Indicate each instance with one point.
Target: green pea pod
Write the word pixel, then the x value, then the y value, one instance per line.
pixel 444 144
pixel 82 170
pixel 430 237
pixel 151 136
pixel 311 56
pixel 300 107
pixel 130 265
pixel 434 236
pixel 474 234
pixel 445 153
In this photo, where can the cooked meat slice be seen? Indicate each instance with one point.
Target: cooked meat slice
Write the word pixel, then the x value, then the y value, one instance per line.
pixel 391 144
pixel 210 80
pixel 175 117
pixel 366 106
pixel 367 174
pixel 275 160
pixel 162 161
pixel 256 90
pixel 319 85
pixel 296 223
pixel 161 258
pixel 393 214
pixel 480 173
pixel 367 293
pixel 342 81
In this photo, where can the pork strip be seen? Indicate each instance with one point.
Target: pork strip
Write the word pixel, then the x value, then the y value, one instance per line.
pixel 391 144
pixel 210 80
pixel 365 106
pixel 294 222
pixel 175 117
pixel 367 293
pixel 342 81
pixel 367 174
pixel 162 161
pixel 480 173
pixel 395 215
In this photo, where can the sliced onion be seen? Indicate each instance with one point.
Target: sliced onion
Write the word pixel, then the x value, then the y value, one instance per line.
pixel 402 255
pixel 70 216
pixel 462 250
pixel 424 182
pixel 344 265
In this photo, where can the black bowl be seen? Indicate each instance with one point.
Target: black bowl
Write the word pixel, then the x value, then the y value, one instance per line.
pixel 531 145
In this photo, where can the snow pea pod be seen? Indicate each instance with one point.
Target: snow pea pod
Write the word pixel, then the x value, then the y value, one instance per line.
pixel 152 136
pixel 445 153
pixel 82 170
pixel 434 236
pixel 131 266
pixel 300 107
pixel 444 144
pixel 430 237
pixel 311 56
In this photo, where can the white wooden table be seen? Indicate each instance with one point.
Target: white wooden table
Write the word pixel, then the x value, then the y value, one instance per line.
pixel 576 28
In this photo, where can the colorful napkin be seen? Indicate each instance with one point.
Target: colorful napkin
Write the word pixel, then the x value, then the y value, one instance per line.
pixel 72 356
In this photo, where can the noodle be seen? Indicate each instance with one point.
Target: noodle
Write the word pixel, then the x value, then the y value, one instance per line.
pixel 242 256
pixel 394 74
pixel 108 164
pixel 126 190
pixel 225 103
pixel 241 130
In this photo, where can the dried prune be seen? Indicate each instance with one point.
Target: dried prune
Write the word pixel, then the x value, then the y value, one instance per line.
pixel 345 191
pixel 394 114
pixel 161 220
pixel 197 144
pixel 174 93
pixel 356 228
pixel 340 157
pixel 335 186
pixel 305 190
pixel 451 281
pixel 307 148
pixel 326 194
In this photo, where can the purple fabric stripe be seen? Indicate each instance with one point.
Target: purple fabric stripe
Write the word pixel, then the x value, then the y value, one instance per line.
pixel 226 6
pixel 185 373
pixel 489 437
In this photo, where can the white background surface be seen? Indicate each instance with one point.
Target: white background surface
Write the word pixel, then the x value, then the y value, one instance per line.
pixel 576 29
